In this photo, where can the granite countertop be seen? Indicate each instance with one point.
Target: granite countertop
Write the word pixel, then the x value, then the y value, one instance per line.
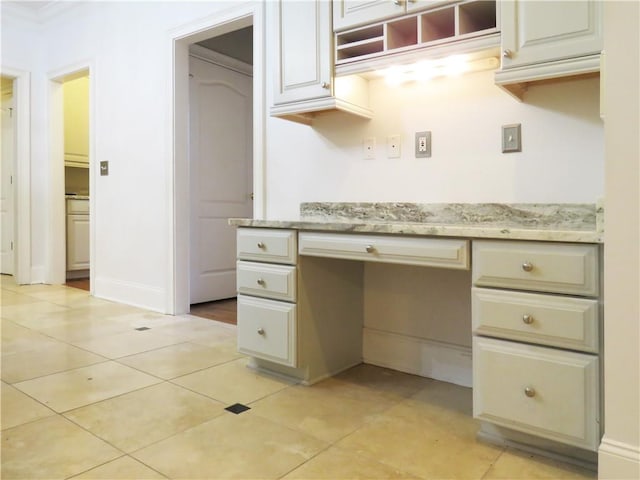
pixel 563 222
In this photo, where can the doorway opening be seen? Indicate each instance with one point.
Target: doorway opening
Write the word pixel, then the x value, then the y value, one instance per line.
pixel 218 153
pixel 7 169
pixel 220 166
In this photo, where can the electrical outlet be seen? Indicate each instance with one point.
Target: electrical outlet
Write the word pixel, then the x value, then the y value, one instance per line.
pixel 423 144
pixel 393 146
pixel 369 148
pixel 511 138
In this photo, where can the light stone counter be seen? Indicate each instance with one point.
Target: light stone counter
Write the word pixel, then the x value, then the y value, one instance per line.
pixel 581 223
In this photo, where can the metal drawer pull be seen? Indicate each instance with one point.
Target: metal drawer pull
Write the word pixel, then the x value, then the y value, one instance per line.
pixel 370 248
pixel 527 266
pixel 528 319
pixel 260 281
pixel 529 392
pixel 260 245
pixel 261 331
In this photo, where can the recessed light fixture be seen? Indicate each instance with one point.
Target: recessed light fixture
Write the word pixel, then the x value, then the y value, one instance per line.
pixel 427 69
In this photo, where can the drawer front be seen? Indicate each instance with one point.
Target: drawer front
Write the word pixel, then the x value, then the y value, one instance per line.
pixel 267 245
pixel 541 391
pixel 571 269
pixel 267 280
pixel 78 207
pixel 432 252
pixel 536 318
pixel 267 329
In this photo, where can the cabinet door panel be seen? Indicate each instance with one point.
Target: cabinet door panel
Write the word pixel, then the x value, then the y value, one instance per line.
pixel 349 13
pixel 304 51
pixel 540 31
pixel 77 242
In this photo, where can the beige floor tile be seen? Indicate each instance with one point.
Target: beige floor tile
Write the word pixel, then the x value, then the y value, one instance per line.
pixel 16 408
pixel 232 382
pixel 82 330
pixel 367 381
pixel 243 446
pixel 517 465
pixel 83 386
pixel 182 359
pixel 336 464
pixel 53 358
pixel 14 298
pixel 319 413
pixel 24 314
pixel 123 468
pixel 427 451
pixel 126 343
pixel 51 448
pixel 60 294
pixel 16 338
pixel 140 418
pixel 192 328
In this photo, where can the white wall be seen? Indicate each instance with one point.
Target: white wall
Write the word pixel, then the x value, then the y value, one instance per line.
pixel 128 47
pixel 562 158
pixel 620 450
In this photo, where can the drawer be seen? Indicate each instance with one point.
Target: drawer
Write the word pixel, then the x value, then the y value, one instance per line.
pixel 541 391
pixel 267 329
pixel 558 321
pixel 544 267
pixel 267 245
pixel 267 280
pixel 432 252
pixel 77 206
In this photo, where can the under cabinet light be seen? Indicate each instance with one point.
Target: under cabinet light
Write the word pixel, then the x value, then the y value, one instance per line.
pixel 427 69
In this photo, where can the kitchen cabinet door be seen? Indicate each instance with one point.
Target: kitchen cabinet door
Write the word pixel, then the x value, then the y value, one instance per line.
pixel 77 242
pixel 351 13
pixel 304 58
pixel 541 31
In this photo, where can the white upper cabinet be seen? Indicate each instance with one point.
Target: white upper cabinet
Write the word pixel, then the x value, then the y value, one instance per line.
pixel 351 13
pixel 304 81
pixel 543 39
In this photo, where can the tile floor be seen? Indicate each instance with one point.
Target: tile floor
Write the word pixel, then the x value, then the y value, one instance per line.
pixel 87 395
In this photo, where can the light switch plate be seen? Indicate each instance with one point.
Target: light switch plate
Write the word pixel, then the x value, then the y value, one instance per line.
pixel 511 138
pixel 104 168
pixel 369 148
pixel 393 146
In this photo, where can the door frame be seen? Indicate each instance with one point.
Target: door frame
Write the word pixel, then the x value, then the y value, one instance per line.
pixel 178 211
pixel 57 253
pixel 22 175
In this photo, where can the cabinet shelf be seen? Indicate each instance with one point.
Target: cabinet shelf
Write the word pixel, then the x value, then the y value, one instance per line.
pixel 448 24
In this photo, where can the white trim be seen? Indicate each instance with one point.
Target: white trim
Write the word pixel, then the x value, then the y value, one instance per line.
pixel 419 356
pixel 618 459
pixel 22 272
pixel 217 58
pixel 130 293
pixel 234 18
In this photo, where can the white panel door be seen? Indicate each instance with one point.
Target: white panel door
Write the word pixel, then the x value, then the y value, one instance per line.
pixel 6 187
pixel 221 175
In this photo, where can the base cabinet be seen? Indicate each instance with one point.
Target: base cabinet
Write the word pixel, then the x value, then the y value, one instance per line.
pixel 536 326
pixel 78 234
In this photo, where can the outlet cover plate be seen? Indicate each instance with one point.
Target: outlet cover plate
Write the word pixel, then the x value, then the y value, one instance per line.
pixel 369 148
pixel 511 138
pixel 423 144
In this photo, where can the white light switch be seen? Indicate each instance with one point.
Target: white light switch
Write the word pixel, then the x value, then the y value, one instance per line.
pixel 511 138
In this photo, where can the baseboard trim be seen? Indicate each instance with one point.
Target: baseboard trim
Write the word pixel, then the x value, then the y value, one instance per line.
pixel 419 356
pixel 618 460
pixel 129 293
